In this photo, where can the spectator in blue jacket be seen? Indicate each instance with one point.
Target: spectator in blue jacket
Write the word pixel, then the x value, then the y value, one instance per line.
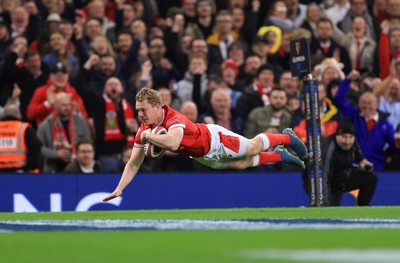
pixel 59 53
pixel 373 130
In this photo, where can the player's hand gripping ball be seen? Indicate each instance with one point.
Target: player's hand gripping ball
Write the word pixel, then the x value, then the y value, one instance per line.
pixel 151 150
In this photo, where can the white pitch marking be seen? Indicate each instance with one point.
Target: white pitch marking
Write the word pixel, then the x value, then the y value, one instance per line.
pixel 327 255
pixel 168 224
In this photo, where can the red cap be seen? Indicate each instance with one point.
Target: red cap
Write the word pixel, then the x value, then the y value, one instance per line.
pixel 80 12
pixel 229 63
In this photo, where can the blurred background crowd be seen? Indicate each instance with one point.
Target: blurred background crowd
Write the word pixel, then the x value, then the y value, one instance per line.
pixel 71 69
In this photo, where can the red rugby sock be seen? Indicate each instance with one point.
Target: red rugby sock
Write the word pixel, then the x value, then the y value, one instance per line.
pixel 269 157
pixel 276 139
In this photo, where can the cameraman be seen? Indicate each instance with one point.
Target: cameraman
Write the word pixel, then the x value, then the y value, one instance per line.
pixel 339 152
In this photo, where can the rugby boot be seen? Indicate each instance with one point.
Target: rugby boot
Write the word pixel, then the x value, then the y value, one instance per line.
pixel 296 144
pixel 289 158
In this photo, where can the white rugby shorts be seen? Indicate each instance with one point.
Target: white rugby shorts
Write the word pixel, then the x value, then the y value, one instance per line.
pixel 225 145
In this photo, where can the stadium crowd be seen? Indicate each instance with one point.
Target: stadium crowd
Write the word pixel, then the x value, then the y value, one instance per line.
pixel 72 68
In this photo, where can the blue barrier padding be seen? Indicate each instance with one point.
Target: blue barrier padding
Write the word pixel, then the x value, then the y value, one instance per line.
pixel 80 192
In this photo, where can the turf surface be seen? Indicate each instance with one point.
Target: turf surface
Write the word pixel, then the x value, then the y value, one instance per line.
pixel 248 213
pixel 193 246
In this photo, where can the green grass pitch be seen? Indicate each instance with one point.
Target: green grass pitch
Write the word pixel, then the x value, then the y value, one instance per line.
pixel 194 246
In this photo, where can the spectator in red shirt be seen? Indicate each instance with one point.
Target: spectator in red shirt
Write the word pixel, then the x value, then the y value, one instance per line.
pixel 41 104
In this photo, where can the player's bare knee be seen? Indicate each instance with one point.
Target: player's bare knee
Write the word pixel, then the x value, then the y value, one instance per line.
pixel 253 148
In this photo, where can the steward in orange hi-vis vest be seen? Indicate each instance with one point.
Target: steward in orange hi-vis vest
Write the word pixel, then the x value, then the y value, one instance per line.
pixel 12 144
pixel 20 148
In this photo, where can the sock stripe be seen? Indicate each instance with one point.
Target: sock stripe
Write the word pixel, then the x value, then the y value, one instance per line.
pixel 265 140
pixel 256 160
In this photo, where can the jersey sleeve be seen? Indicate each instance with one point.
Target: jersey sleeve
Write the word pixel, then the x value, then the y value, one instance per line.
pixel 138 141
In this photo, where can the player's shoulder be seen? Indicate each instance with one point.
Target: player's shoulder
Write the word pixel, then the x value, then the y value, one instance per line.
pixel 172 117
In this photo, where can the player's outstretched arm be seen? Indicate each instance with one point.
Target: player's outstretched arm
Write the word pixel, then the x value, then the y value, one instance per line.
pixel 170 141
pixel 131 169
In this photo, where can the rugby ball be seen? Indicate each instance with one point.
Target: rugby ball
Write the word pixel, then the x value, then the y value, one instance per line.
pixel 151 150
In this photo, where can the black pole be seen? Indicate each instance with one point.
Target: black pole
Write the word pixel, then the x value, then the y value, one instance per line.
pixel 301 67
pixel 313 130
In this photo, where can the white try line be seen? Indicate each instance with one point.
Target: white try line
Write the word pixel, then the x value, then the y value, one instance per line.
pixel 169 224
pixel 325 255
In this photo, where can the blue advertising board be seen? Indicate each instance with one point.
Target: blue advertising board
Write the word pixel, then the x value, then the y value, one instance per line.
pixel 84 192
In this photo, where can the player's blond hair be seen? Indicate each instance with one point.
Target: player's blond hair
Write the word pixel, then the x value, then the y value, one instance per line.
pixel 152 96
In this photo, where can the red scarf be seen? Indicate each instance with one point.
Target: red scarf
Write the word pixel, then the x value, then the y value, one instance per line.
pixel 112 132
pixel 260 90
pixel 60 139
pixel 264 93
